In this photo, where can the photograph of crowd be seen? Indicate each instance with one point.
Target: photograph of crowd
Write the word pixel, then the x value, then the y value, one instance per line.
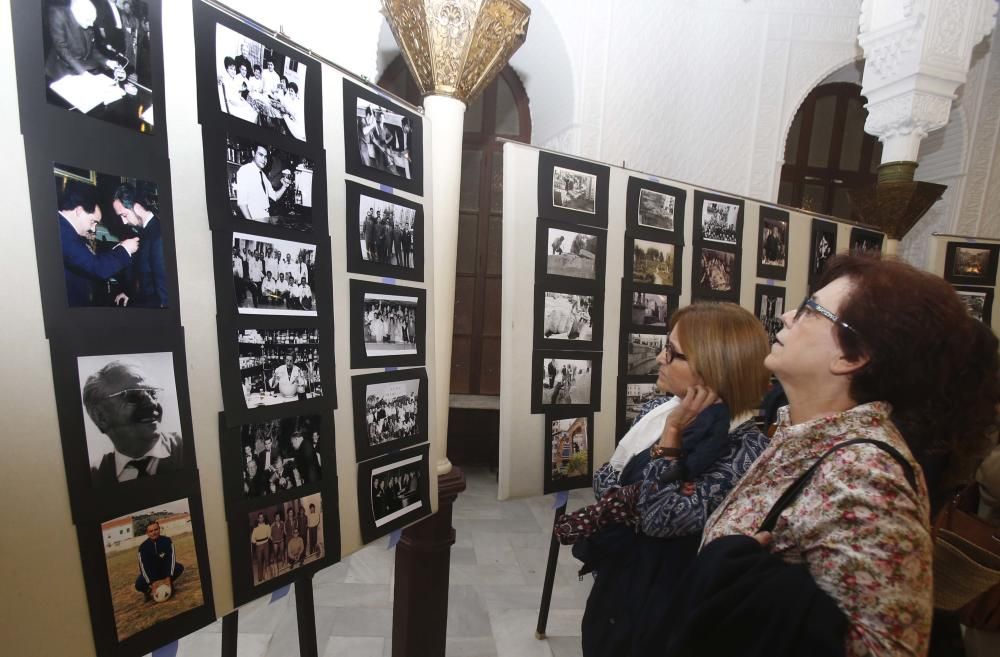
pixel 390 324
pixel 284 537
pixel 574 190
pixel 567 316
pixel 386 231
pixel 98 59
pixel 279 455
pixel 391 411
pixel 649 309
pixel 652 262
pixel 717 270
pixel 152 566
pixel 774 242
pixel 569 450
pixel 643 348
pixel 566 381
pixel 272 276
pixel 637 394
pixel 114 263
pixel 131 416
pixel 385 139
pixel 656 210
pixel 268 185
pixel 769 307
pixel 571 253
pixel 719 222
pixel 977 303
pixel 865 242
pixel 259 85
pixel 395 489
pixel 278 366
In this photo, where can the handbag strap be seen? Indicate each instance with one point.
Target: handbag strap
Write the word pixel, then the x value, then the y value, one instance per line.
pixel 793 491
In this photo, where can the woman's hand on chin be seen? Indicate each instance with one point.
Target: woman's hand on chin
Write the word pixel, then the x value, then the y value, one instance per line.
pixel 696 399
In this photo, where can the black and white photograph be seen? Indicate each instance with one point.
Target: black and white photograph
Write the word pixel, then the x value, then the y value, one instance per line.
pixel 568 451
pixel 571 254
pixel 566 381
pixel 652 263
pixel 384 138
pixel 636 395
pixel 641 352
pixel 112 240
pixel 269 185
pixel 131 416
pixel 574 190
pixel 650 309
pixel 279 366
pixel 98 60
pixel 280 454
pixel 386 231
pixel 769 306
pixel 273 277
pixel 260 85
pixel 567 316
pixel 971 263
pixel 390 324
pixel 822 247
pixel 719 222
pixel 284 537
pixel 654 210
pixel 717 271
pixel 865 242
pixel 390 411
pixel 393 491
pixel 977 301
pixel 152 566
pixel 772 244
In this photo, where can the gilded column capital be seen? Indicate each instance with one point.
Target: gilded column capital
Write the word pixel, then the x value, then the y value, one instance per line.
pixel 456 47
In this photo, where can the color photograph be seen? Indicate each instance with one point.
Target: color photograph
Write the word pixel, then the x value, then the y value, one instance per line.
pixel 652 262
pixel 568 452
pixel 285 537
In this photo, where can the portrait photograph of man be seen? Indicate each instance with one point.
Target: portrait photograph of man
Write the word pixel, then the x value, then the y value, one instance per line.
pixel 111 236
pixel 269 185
pixel 131 416
pixel 153 568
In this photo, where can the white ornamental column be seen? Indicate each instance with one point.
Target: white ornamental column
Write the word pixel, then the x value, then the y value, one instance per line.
pixel 454 48
pixel 917 53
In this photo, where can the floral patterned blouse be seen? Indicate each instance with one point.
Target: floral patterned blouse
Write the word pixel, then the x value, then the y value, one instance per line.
pixel 860 528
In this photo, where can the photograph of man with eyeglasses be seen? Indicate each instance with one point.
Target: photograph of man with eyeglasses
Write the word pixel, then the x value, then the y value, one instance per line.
pixel 132 420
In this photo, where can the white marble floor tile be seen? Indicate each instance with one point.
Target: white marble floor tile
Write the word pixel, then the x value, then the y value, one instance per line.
pixel 514 633
pixel 354 646
pixel 565 646
pixel 466 615
pixel 351 594
pixel 470 647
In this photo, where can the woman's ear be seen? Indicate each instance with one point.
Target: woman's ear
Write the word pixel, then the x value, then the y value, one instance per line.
pixel 843 366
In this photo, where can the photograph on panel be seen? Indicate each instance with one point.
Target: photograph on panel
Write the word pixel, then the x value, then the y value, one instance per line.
pixel 385 138
pixel 396 489
pixel 386 231
pixel 865 242
pixel 769 306
pixel 719 221
pixel 392 411
pixel 642 350
pixel 978 302
pixel 649 309
pixel 571 253
pixel 566 380
pixel 569 461
pixel 823 245
pixel 656 209
pixel 272 276
pixel 280 454
pixel 652 262
pixel 131 416
pixel 774 242
pixel 390 324
pixel 260 85
pixel 278 366
pixel 284 537
pixel 112 240
pixel 574 190
pixel 567 317
pixel 971 261
pixel 636 395
pixel 717 270
pixel 269 185
pixel 98 59
pixel 152 565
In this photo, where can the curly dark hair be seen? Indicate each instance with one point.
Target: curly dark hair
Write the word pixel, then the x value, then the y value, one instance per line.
pixel 938 367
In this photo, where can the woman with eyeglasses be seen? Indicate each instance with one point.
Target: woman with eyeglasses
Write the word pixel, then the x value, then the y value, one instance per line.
pixel 880 351
pixel 671 469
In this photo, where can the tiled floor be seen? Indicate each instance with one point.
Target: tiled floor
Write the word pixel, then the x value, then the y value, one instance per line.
pixel 497 567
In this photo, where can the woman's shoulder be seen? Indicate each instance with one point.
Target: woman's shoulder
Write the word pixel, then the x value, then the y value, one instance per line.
pixel 650 405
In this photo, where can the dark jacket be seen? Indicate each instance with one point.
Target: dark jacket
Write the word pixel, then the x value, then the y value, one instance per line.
pixel 147 280
pixel 83 267
pixel 73 50
pixel 157 560
pixel 104 474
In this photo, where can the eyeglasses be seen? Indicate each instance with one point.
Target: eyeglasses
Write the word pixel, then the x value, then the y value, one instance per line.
pixel 809 304
pixel 671 352
pixel 136 395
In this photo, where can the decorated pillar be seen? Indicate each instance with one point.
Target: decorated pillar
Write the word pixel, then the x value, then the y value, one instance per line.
pixel 454 48
pixel 917 53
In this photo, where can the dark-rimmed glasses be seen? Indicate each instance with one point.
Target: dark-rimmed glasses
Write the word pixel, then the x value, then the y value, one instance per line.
pixel 671 352
pixel 810 304
pixel 136 395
